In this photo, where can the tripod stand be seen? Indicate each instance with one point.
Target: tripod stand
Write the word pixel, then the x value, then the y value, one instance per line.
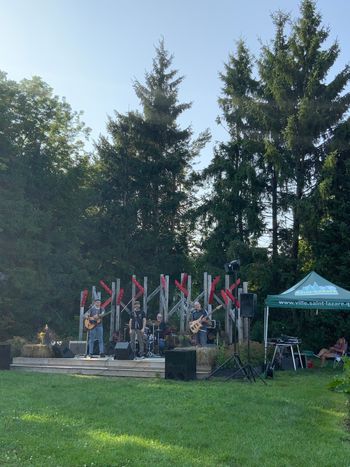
pixel 238 365
pixel 249 372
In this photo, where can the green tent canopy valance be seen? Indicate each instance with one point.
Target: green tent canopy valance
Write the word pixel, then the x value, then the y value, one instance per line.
pixel 312 292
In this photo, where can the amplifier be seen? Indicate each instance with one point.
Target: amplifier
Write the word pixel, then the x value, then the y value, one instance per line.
pixel 78 347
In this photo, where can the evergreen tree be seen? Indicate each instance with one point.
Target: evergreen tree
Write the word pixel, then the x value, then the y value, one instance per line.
pixel 145 183
pixel 326 229
pixel 273 107
pixel 233 213
pixel 318 108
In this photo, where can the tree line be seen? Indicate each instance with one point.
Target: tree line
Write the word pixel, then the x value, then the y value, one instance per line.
pixel 275 194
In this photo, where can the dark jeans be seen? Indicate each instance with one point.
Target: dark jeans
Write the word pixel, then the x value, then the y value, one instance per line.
pixel 139 334
pixel 201 338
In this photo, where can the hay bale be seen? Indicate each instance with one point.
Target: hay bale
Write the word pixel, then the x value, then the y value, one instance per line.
pixel 206 356
pixel 36 351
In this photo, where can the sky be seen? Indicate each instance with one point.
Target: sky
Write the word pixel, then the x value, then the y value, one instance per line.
pixel 91 51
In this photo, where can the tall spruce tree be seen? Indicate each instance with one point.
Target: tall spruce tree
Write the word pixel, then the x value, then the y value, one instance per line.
pixel 273 108
pixel 233 211
pixel 144 179
pixel 319 106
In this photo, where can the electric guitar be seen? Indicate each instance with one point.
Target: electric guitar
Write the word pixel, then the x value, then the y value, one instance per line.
pixel 196 325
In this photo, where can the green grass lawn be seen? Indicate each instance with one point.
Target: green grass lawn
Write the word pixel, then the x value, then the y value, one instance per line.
pixel 66 420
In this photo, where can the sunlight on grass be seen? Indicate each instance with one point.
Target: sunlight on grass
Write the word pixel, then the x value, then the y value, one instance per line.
pixel 31 417
pixel 147 443
pixel 46 420
pixel 331 412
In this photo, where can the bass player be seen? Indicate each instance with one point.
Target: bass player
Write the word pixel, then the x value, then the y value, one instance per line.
pixel 200 316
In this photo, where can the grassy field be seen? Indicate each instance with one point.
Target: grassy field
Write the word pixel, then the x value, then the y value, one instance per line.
pixel 65 420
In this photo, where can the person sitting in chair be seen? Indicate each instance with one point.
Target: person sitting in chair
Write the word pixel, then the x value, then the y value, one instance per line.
pixel 337 350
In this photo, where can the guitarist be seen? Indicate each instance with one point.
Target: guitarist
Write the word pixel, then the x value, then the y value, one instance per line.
pixel 95 334
pixel 202 315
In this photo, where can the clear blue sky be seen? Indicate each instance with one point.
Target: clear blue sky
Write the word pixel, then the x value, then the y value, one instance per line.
pixel 91 50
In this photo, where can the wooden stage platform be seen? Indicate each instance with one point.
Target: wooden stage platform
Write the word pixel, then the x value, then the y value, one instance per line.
pixel 107 366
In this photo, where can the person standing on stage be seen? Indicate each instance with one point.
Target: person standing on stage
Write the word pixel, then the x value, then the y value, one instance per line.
pixel 137 324
pixel 200 314
pixel 95 334
pixel 161 330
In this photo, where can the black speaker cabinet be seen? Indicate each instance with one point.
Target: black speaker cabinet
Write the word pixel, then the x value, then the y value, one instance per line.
pixel 123 351
pixel 62 351
pixel 180 364
pixel 287 362
pixel 57 351
pixel 248 303
pixel 5 356
pixel 67 353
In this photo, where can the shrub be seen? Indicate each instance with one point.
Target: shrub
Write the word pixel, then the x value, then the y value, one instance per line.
pixel 256 354
pixel 17 344
pixel 341 383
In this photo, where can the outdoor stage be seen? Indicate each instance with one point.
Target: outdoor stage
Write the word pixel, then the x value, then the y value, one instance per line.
pixel 107 366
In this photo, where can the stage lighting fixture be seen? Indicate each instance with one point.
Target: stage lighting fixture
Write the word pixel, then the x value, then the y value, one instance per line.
pixel 232 266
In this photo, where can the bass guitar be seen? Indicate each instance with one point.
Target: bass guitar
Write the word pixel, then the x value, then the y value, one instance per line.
pixel 195 326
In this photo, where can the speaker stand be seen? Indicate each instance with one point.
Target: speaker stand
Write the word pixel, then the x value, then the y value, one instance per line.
pixel 249 372
pixel 238 364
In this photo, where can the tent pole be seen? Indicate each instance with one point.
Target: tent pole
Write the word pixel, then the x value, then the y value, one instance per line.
pixel 266 325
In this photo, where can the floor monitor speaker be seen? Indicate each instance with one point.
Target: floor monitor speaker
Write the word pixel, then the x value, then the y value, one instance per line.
pixel 123 351
pixel 180 364
pixel 67 353
pixel 57 351
pixel 62 351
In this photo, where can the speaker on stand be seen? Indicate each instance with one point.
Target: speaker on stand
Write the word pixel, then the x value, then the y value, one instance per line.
pixel 248 302
pixel 248 309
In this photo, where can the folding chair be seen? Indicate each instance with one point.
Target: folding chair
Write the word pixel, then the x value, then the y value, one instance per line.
pixel 338 360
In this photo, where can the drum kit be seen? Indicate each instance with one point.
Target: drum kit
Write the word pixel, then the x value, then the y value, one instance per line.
pixel 155 340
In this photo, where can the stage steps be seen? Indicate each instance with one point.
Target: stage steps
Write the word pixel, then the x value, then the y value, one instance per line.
pixel 147 368
pixel 107 366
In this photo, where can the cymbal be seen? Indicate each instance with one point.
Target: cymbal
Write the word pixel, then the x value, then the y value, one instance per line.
pixel 150 321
